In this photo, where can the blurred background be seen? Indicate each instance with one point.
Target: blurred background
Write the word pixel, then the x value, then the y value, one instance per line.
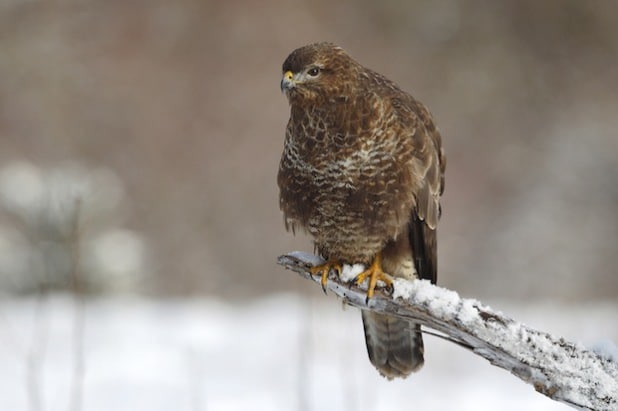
pixel 147 135
pixel 140 140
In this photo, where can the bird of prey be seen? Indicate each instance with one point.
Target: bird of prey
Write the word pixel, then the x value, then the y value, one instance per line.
pixel 362 171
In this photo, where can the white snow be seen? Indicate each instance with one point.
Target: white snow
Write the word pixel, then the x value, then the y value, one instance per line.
pixel 279 353
pixel 404 288
pixel 350 272
pixel 469 314
pixel 441 301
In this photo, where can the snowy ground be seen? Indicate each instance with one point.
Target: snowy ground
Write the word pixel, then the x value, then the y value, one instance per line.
pixel 280 353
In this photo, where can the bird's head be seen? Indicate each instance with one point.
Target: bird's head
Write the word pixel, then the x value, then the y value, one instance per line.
pixel 316 71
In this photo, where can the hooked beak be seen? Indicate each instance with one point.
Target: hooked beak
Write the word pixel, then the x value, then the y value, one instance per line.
pixel 287 82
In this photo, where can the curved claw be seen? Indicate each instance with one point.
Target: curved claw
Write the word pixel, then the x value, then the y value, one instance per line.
pixel 324 269
pixel 375 274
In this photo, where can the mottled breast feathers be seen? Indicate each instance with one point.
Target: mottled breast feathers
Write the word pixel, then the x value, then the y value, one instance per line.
pixel 360 154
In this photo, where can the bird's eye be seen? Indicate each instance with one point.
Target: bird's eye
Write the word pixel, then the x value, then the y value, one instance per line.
pixel 314 71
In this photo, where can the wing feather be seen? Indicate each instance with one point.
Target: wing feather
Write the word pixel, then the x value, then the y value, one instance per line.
pixel 427 170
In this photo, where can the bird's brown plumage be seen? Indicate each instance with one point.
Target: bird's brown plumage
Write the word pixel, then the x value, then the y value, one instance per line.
pixel 362 171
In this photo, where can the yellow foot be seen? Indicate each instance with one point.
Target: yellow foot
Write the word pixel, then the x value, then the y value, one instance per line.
pixel 324 269
pixel 374 273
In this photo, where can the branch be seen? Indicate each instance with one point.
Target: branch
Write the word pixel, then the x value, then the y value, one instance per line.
pixel 561 370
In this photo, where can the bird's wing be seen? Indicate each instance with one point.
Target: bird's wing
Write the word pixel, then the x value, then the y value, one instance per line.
pixel 427 168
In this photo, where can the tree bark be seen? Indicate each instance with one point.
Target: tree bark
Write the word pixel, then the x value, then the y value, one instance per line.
pixel 561 370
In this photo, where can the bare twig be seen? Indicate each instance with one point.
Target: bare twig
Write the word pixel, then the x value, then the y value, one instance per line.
pixel 36 353
pixel 78 313
pixel 305 351
pixel 561 370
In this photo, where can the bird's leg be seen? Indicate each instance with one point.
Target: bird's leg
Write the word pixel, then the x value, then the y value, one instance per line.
pixel 324 269
pixel 374 273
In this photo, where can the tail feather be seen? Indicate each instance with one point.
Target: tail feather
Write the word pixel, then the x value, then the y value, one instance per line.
pixel 394 345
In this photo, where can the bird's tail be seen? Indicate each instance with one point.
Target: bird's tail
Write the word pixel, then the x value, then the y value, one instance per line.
pixel 394 345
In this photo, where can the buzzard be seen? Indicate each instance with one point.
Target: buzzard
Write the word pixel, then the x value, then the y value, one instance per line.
pixel 362 171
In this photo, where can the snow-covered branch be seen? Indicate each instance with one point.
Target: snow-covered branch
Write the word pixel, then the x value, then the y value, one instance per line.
pixel 563 371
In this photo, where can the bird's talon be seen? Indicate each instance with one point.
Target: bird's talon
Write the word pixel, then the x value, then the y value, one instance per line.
pixel 324 279
pixel 374 273
pixel 323 270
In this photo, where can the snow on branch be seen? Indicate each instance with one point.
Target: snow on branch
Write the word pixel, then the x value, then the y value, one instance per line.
pixel 563 371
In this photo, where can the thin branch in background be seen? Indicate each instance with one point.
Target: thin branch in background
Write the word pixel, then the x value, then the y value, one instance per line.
pixel 36 353
pixel 30 354
pixel 76 399
pixel 347 372
pixel 305 344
